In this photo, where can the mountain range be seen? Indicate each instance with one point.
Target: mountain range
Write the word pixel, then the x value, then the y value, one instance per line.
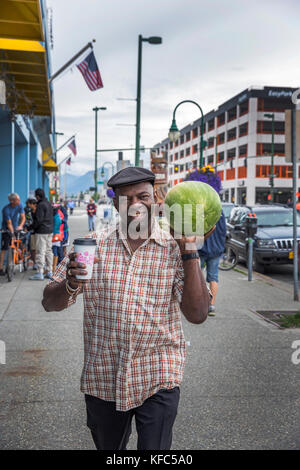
pixel 75 184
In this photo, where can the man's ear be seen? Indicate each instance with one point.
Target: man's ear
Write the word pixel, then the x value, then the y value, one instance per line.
pixel 155 195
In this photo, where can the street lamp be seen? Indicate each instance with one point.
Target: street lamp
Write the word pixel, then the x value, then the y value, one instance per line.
pixel 174 133
pixel 272 116
pixel 96 109
pixel 151 40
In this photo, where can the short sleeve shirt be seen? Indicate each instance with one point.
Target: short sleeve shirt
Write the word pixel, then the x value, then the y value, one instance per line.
pixel 133 338
pixel 13 214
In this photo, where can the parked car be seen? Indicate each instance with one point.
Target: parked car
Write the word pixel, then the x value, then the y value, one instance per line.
pixel 273 242
pixel 227 208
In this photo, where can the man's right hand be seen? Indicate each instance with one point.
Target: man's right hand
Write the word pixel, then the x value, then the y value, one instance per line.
pixel 73 269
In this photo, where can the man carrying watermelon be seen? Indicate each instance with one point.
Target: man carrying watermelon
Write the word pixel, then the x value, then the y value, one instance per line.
pixel 133 338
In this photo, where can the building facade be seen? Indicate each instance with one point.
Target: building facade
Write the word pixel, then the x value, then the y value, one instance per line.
pixel 238 137
pixel 27 118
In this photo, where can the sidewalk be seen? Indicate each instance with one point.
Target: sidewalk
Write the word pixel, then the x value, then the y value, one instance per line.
pixel 240 391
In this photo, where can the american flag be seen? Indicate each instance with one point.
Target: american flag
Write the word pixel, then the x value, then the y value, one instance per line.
pixel 89 69
pixel 68 162
pixel 72 147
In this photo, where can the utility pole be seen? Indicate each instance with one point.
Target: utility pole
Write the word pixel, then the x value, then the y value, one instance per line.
pixel 295 241
pixel 96 109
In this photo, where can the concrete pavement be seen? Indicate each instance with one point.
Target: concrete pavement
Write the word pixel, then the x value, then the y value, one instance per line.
pixel 240 391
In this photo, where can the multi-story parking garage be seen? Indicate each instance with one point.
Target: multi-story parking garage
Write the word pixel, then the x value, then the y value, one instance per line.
pixel 239 145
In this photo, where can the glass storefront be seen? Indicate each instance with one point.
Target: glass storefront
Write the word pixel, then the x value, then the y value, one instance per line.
pixel 281 195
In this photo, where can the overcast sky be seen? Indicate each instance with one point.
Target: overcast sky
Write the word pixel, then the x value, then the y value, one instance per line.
pixel 211 50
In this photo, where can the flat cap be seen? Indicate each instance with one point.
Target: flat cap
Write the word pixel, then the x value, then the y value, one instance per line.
pixel 131 175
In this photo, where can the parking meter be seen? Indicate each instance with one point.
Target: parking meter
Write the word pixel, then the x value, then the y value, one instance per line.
pixel 251 225
pixel 251 229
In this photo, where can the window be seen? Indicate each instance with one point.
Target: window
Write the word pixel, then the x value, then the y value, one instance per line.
pixel 210 160
pixel 266 149
pixel 166 146
pixel 211 124
pixel 171 158
pixel 187 165
pixel 265 127
pixel 181 139
pixel 195 132
pixel 273 104
pixel 243 129
pixel 176 156
pixel 221 138
pixel 231 153
pixel 194 163
pixel 171 145
pixel 230 174
pixel 181 154
pixel 176 143
pixel 188 136
pixel 244 107
pixel 221 174
pixel 181 168
pixel 221 119
pixel 242 172
pixel 243 150
pixel 231 113
pixel 231 134
pixel 188 151
pixel 195 148
pixel 211 142
pixel 281 171
pixel 220 157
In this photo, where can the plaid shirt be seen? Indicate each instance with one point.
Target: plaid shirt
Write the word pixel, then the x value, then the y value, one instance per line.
pixel 133 338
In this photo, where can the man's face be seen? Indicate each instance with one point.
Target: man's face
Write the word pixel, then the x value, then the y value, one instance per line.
pixel 15 202
pixel 139 199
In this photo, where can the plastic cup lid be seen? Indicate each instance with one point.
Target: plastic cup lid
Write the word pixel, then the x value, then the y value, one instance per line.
pixel 85 241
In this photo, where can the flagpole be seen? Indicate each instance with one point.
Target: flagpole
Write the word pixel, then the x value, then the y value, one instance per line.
pixel 70 62
pixel 62 146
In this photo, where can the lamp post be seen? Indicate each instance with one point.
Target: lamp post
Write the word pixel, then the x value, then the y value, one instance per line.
pixel 174 133
pixel 151 40
pixel 272 116
pixel 96 109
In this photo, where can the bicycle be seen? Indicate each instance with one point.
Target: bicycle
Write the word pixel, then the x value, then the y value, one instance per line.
pixel 229 259
pixel 17 254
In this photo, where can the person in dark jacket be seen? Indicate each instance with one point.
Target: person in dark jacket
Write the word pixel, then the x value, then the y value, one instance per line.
pixel 210 253
pixel 43 229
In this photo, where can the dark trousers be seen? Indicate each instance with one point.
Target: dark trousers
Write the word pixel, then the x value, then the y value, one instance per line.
pixel 154 420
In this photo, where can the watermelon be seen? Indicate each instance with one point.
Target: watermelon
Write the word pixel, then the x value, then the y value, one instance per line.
pixel 191 201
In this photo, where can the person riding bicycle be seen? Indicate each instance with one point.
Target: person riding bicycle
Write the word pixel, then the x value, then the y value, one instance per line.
pixel 13 220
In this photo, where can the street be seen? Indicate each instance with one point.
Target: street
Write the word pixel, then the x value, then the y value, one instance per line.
pixel 240 389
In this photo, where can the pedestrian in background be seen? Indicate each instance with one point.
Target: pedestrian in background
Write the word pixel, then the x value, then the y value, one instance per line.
pixel 210 253
pixel 43 228
pixel 71 205
pixel 65 241
pixel 58 236
pixel 13 219
pixel 30 210
pixel 91 211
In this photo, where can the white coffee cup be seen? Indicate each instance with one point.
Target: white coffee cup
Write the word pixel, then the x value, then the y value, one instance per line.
pixel 85 253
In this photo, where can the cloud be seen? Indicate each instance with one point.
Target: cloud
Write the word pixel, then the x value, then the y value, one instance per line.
pixel 210 52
